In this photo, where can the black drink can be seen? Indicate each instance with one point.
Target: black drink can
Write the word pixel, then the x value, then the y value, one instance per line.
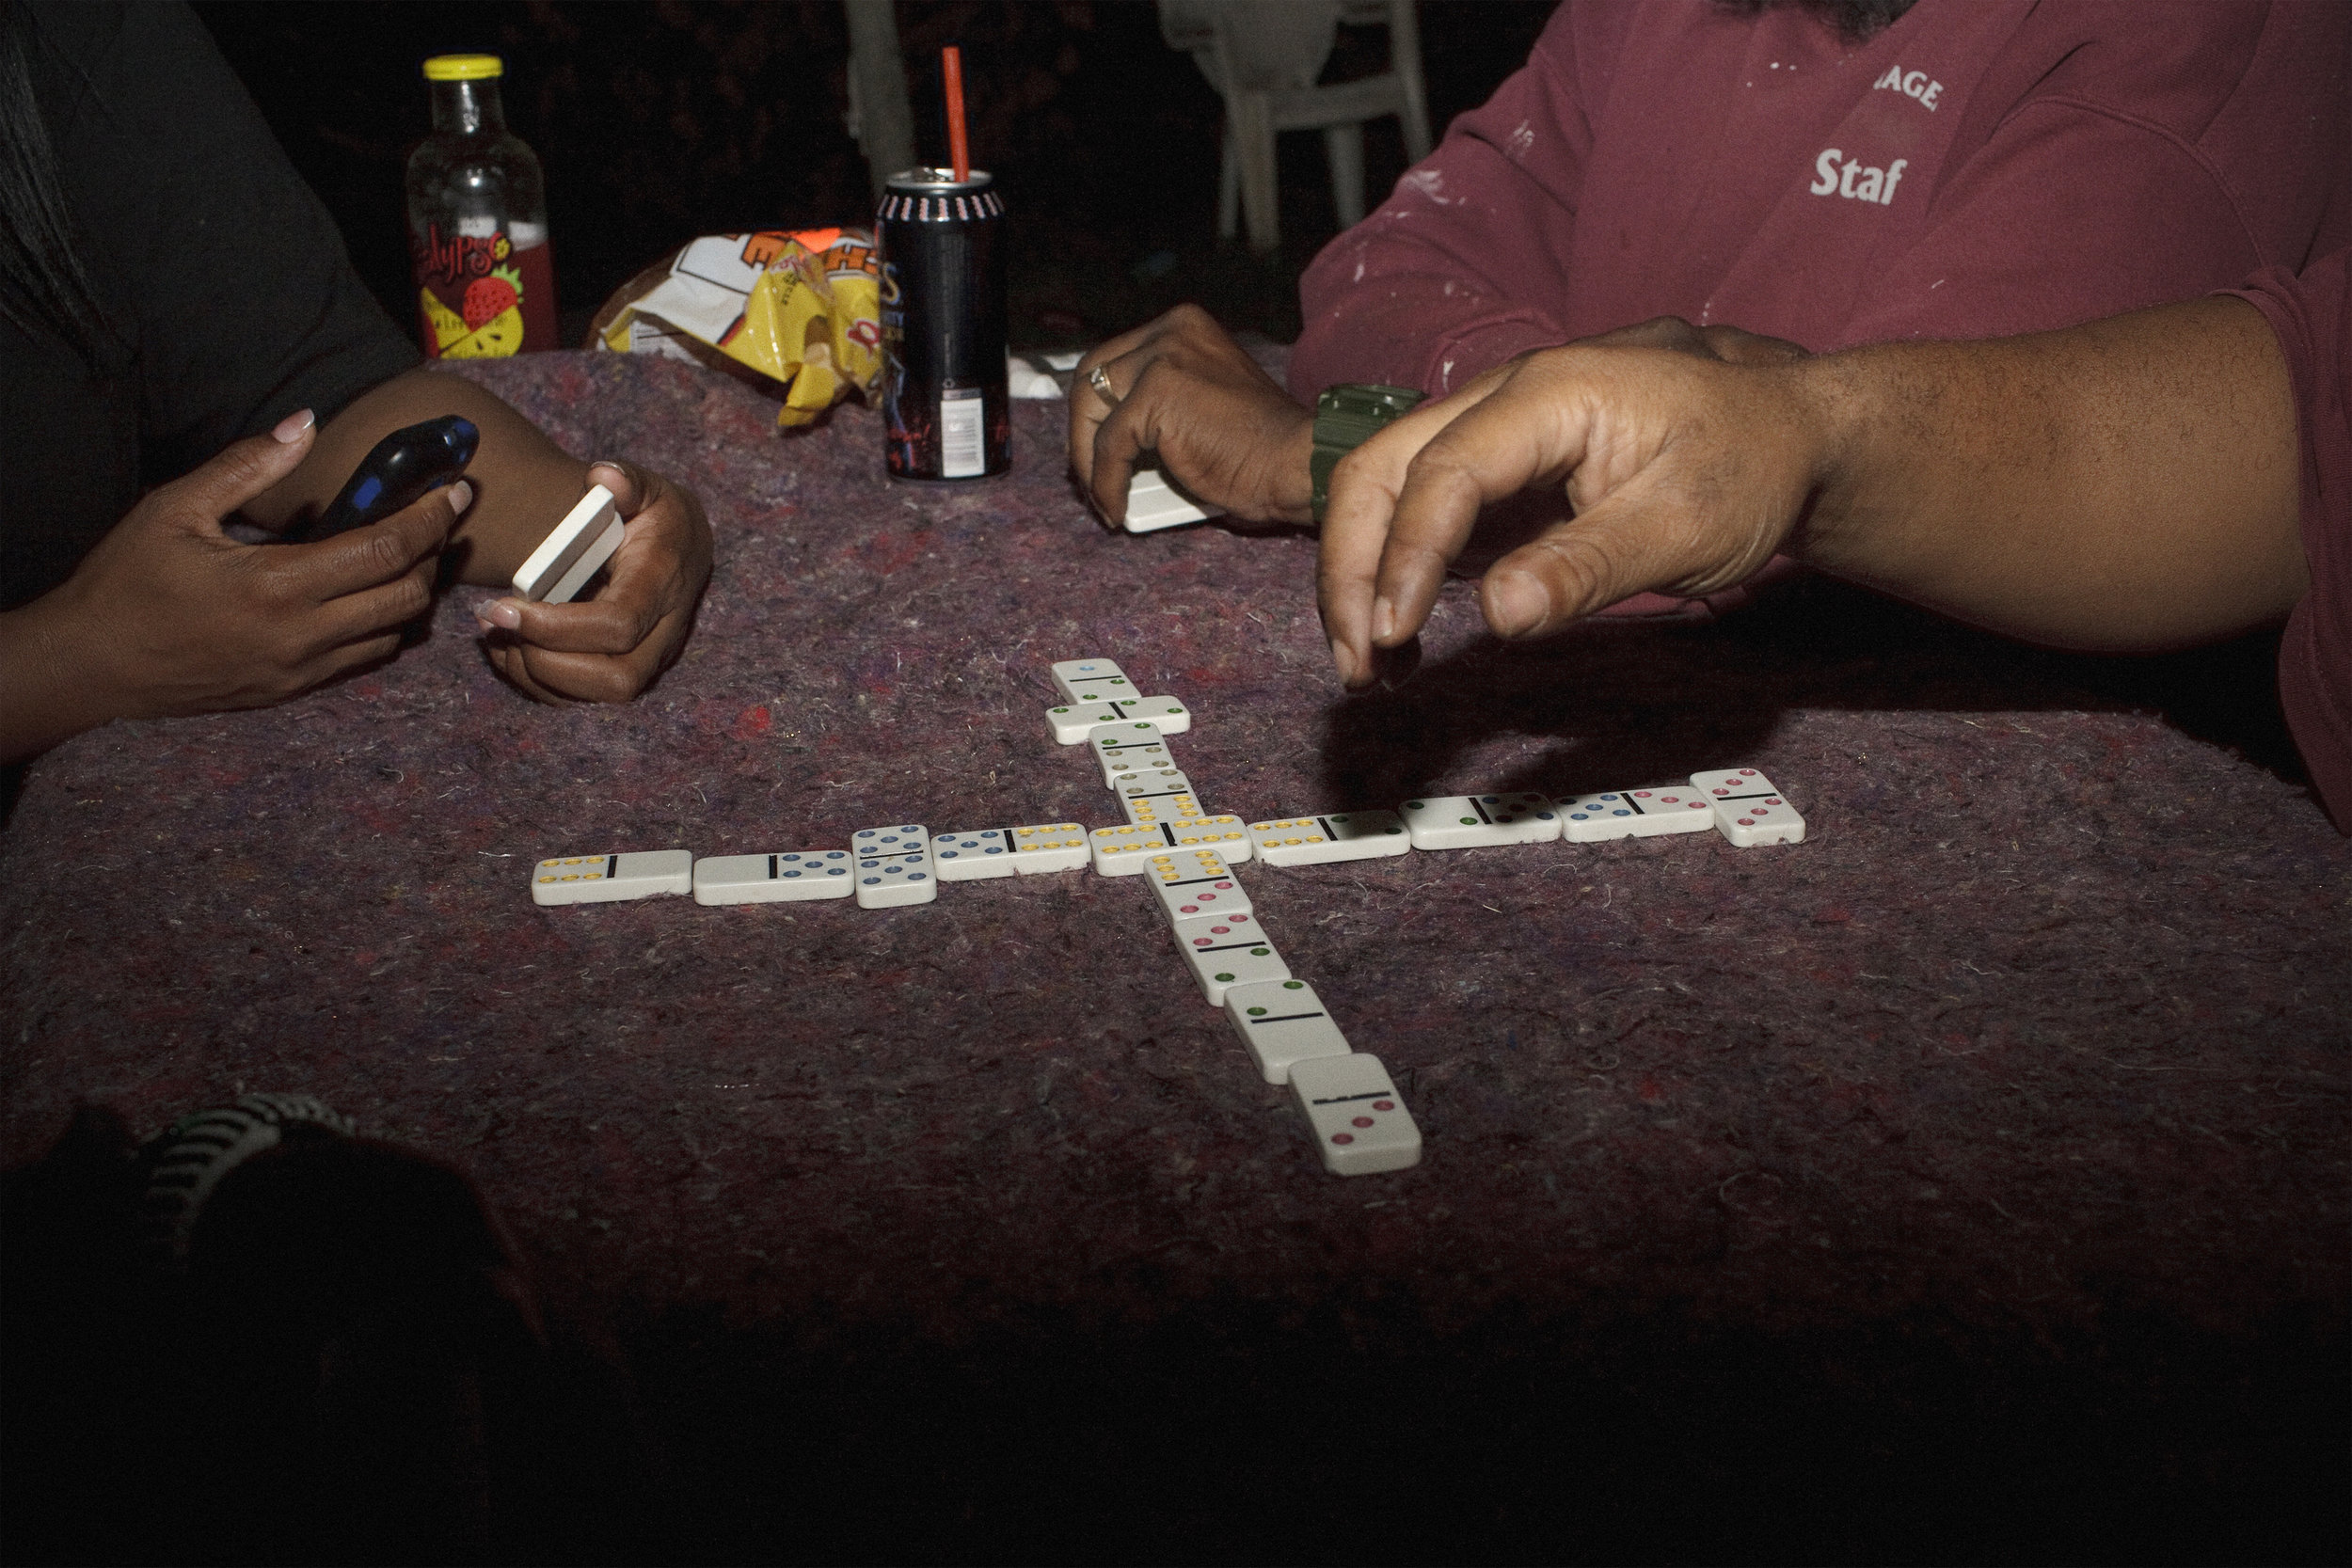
pixel 944 402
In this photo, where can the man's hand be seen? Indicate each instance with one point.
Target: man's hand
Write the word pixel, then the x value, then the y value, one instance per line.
pixel 170 615
pixel 1686 473
pixel 1222 427
pixel 610 648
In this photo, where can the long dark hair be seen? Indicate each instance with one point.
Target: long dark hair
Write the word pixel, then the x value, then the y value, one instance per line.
pixel 43 286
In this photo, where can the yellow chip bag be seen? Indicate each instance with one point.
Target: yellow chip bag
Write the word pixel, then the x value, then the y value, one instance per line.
pixel 802 309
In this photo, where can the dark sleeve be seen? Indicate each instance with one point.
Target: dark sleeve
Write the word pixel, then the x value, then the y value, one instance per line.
pixel 221 268
pixel 2312 317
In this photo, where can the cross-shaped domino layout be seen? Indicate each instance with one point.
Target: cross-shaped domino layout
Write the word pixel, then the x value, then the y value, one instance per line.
pixel 1186 855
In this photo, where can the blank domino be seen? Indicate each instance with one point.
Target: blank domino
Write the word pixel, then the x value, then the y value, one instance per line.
pixel 1359 1120
pixel 1748 810
pixel 1344 835
pixel 612 879
pixel 894 867
pixel 1218 963
pixel 979 853
pixel 782 879
pixel 1195 882
pixel 1127 748
pixel 1282 1023
pixel 1070 721
pixel 1154 502
pixel 1092 680
pixel 1635 814
pixel 1473 821
pixel 1126 850
pixel 573 551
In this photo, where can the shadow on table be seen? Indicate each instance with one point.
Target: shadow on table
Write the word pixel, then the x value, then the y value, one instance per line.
pixel 1643 703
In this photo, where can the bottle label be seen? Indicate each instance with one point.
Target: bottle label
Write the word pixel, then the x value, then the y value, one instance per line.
pixel 481 296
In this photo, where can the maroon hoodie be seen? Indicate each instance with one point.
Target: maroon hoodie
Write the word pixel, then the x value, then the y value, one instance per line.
pixel 1979 167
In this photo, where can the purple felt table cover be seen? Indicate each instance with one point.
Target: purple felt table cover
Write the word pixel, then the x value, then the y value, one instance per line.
pixel 2049 1011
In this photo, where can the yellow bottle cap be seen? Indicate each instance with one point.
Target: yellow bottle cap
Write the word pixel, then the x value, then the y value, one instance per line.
pixel 463 67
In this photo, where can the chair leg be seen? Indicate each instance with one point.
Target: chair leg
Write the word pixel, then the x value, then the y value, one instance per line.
pixel 877 78
pixel 1228 188
pixel 1250 120
pixel 1344 149
pixel 1405 59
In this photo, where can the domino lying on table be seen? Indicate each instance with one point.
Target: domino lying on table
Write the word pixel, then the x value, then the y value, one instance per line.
pixel 1184 854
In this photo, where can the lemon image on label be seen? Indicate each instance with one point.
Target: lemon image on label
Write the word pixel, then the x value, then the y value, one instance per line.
pixel 448 325
pixel 495 339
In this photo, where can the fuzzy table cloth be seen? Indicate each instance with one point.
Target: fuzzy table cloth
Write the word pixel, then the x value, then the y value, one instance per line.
pixel 1971 1172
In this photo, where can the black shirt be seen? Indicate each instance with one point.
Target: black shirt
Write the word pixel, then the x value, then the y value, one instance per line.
pixel 223 279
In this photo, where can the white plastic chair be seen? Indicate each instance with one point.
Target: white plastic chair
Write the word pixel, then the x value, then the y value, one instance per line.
pixel 1262 58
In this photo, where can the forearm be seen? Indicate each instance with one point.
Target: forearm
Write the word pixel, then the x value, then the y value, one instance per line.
pixel 42 701
pixel 2127 485
pixel 523 483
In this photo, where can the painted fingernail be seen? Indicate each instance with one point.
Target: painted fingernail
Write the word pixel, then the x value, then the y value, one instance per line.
pixel 289 429
pixel 1517 603
pixel 1383 620
pixel 499 613
pixel 460 497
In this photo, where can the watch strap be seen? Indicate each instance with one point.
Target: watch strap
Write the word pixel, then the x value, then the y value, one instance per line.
pixel 1346 418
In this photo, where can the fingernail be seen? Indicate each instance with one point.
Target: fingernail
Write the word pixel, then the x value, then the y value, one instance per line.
pixel 499 613
pixel 1517 603
pixel 290 428
pixel 1383 620
pixel 1343 662
pixel 460 497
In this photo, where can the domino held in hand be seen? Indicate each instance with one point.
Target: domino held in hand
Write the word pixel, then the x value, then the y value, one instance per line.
pixel 1359 1120
pixel 569 556
pixel 1155 501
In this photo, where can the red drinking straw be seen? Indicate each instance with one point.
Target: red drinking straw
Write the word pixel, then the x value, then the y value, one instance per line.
pixel 951 64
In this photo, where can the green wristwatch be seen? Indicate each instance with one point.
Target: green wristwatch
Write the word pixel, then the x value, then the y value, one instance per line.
pixel 1346 418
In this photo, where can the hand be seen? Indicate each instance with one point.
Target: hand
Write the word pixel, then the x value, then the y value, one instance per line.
pixel 610 648
pixel 170 615
pixel 1222 427
pixel 1685 473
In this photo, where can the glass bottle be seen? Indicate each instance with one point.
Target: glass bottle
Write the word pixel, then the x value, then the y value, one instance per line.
pixel 478 222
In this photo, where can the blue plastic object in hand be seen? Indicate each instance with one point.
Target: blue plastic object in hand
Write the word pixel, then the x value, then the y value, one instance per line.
pixel 400 470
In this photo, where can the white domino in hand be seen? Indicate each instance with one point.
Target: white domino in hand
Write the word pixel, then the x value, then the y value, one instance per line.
pixel 1359 1120
pixel 1155 501
pixel 894 867
pixel 1635 814
pixel 1473 821
pixel 1220 962
pixel 1342 836
pixel 569 556
pixel 612 879
pixel 1126 850
pixel 1193 883
pixel 1282 1023
pixel 1092 680
pixel 1748 810
pixel 1126 748
pixel 1070 721
pixel 782 879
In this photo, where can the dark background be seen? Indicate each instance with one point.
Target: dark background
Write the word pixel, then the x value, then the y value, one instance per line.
pixel 659 122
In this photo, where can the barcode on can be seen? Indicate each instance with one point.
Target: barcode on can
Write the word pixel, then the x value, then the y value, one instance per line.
pixel 963 451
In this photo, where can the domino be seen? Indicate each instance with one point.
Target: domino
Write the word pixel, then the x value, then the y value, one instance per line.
pixel 784 878
pixel 569 556
pixel 1748 810
pixel 1070 721
pixel 973 853
pixel 1155 501
pixel 1220 962
pixel 1634 813
pixel 1282 1023
pixel 970 854
pixel 1195 882
pixel 1146 797
pixel 1126 850
pixel 1092 680
pixel 612 879
pixel 894 867
pixel 1360 1124
pixel 1127 748
pixel 1473 821
pixel 1347 835
pixel 1184 930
